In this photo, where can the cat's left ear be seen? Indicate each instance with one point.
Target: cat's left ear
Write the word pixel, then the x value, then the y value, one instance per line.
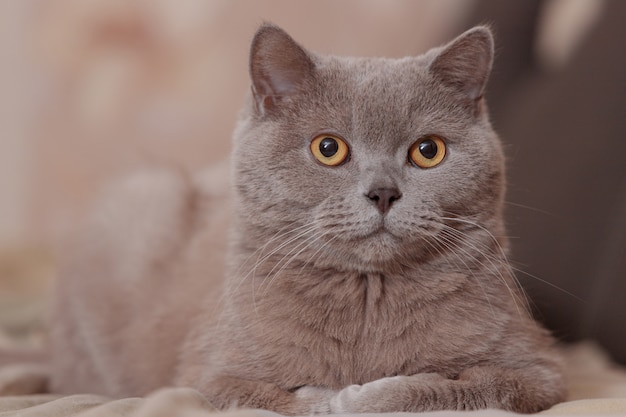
pixel 279 67
pixel 465 63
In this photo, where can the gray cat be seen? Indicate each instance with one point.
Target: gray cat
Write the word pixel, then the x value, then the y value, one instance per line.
pixel 366 268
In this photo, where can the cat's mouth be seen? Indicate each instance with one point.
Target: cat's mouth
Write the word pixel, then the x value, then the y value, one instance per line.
pixel 380 231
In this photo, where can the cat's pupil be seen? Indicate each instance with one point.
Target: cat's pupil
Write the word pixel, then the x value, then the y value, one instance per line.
pixel 428 148
pixel 328 147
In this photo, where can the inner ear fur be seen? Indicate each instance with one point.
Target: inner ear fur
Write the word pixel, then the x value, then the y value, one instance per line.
pixel 465 63
pixel 279 67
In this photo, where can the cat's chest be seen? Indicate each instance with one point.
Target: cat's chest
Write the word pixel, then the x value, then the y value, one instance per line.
pixel 365 327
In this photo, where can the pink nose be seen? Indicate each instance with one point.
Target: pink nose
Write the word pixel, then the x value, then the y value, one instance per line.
pixel 383 198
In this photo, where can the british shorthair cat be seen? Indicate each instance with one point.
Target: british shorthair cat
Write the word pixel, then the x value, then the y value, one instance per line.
pixel 356 263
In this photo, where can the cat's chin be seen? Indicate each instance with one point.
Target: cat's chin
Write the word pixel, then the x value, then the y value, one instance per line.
pixel 380 249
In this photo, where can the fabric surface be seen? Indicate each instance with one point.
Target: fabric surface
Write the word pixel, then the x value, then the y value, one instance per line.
pixel 185 402
pixel 597 388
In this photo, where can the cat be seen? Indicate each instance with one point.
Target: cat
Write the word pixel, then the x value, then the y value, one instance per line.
pixel 365 269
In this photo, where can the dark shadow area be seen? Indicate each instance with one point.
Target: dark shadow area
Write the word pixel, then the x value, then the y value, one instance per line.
pixel 565 133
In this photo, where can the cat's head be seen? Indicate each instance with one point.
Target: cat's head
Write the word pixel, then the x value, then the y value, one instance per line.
pixel 362 162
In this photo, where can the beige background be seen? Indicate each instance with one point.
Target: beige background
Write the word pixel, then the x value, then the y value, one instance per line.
pixel 94 88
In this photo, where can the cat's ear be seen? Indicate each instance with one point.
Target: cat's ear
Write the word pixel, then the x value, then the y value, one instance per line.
pixel 279 67
pixel 465 63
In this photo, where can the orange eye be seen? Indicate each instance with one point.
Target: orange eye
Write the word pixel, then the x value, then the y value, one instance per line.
pixel 428 151
pixel 329 150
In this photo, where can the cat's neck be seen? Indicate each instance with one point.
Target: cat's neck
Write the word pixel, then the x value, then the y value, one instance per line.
pixel 314 282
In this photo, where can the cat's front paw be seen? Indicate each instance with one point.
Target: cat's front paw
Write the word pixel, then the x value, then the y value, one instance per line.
pixel 315 400
pixel 363 398
pixel 391 394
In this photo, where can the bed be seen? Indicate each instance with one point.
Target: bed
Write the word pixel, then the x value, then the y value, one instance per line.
pixel 596 387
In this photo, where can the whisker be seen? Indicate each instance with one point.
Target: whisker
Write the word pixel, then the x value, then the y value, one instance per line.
pixel 521 271
pixel 535 209
pixel 278 235
pixel 509 264
pixel 495 269
pixel 328 242
pixel 453 249
pixel 525 300
pixel 309 228
pixel 292 256
pixel 482 288
pixel 261 258
pixel 286 244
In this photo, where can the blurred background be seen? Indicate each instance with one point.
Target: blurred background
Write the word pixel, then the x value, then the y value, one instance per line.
pixel 90 90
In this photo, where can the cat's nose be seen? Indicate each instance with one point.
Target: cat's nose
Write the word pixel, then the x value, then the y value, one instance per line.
pixel 383 198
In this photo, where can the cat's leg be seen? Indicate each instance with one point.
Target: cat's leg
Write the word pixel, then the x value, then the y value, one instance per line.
pixel 231 392
pixel 525 390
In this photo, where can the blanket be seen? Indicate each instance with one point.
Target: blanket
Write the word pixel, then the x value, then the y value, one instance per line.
pixel 596 388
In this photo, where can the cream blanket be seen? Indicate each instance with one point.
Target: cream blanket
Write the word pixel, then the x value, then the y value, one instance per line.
pixel 597 388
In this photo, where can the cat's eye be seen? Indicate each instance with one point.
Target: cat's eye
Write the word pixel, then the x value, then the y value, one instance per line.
pixel 329 150
pixel 428 151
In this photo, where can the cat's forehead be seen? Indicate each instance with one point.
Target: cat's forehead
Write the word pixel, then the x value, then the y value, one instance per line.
pixel 382 77
pixel 382 97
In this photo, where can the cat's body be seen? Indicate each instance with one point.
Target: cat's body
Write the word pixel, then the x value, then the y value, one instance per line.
pixel 360 281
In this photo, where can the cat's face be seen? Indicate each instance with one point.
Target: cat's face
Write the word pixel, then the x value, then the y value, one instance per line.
pixel 359 161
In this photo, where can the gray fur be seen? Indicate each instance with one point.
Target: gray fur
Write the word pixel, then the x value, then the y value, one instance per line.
pixel 328 304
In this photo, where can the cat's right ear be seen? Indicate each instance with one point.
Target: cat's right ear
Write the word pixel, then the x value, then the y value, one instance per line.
pixel 279 67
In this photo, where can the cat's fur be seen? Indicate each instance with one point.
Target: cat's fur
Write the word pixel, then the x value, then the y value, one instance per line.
pixel 329 304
